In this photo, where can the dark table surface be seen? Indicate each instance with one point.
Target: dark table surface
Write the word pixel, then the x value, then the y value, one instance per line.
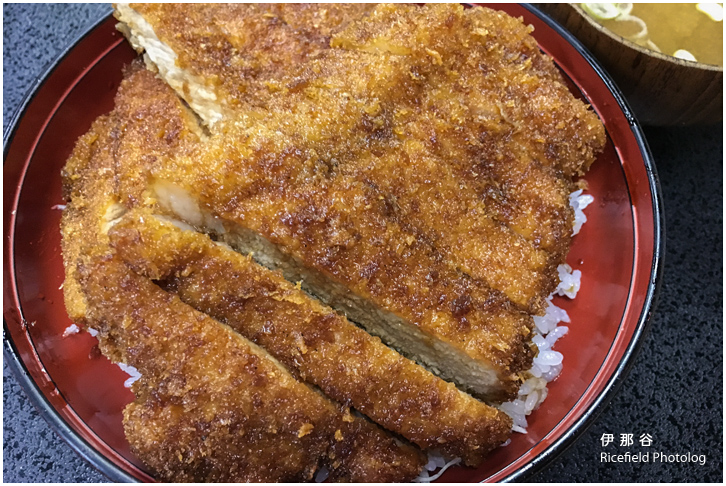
pixel 674 391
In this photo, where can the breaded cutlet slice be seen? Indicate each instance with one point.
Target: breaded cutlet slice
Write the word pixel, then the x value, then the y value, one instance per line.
pixel 497 54
pixel 315 343
pixel 144 141
pixel 273 194
pixel 107 172
pixel 252 43
pixel 478 143
pixel 338 244
pixel 212 406
pixel 354 111
pixel 102 179
pixel 91 207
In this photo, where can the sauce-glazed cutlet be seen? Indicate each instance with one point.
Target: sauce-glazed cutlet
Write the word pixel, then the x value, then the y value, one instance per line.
pixel 288 201
pixel 212 406
pixel 497 112
pixel 103 179
pixel 243 44
pixel 107 173
pixel 409 166
pixel 475 161
pixel 355 132
pixel 322 347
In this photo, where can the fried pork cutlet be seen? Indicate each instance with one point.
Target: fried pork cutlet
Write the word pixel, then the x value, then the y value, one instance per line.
pixel 498 112
pixel 409 165
pixel 371 102
pixel 341 232
pixel 151 128
pixel 242 44
pixel 498 145
pixel 375 223
pixel 108 169
pixel 212 406
pixel 102 179
pixel 322 347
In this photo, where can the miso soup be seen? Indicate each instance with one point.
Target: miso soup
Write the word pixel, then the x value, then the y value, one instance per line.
pixel 692 31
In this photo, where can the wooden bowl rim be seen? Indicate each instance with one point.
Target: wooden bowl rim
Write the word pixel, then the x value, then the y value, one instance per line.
pixel 648 52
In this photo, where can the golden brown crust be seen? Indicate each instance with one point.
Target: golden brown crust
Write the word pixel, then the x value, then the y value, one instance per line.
pixel 199 417
pixel 108 170
pixel 87 179
pixel 238 47
pixel 482 186
pixel 467 102
pixel 331 225
pixel 428 179
pixel 211 406
pixel 323 348
pixel 343 229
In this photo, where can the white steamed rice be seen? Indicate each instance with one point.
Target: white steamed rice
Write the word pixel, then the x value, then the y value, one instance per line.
pixel 547 330
pixel 579 201
pixel 132 372
pixel 436 461
pixel 72 329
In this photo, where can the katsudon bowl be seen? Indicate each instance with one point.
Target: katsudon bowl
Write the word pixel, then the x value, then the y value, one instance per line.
pixel 82 395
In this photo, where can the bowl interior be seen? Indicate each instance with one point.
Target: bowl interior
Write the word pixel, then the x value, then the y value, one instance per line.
pixel 615 252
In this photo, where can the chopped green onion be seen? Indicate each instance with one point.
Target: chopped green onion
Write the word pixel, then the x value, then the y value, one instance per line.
pixel 601 11
pixel 684 54
pixel 607 11
pixel 713 10
pixel 642 33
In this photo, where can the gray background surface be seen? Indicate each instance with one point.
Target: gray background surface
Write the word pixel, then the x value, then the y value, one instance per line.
pixel 674 391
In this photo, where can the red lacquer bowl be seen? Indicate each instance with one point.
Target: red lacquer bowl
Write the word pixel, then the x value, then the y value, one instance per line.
pixel 619 252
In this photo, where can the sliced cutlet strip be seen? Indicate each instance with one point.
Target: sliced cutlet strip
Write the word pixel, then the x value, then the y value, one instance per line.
pixel 338 237
pixel 314 342
pixel 499 56
pixel 279 197
pixel 338 241
pixel 105 175
pixel 212 406
pixel 107 171
pixel 91 206
pixel 220 56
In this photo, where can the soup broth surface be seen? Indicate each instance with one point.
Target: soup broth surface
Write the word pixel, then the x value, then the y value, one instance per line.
pixel 685 30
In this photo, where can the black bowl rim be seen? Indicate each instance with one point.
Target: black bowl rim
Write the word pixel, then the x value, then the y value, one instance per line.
pixel 113 472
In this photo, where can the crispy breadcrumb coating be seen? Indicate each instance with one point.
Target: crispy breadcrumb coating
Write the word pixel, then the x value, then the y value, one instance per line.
pixel 314 342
